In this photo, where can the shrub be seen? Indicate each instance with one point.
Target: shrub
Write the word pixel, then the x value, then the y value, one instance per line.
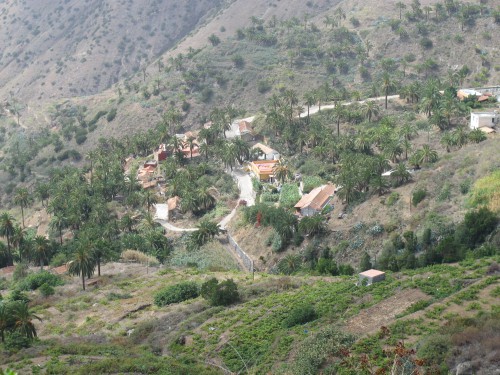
pixel 139 257
pixel 392 198
pixel 426 43
pixel 176 293
pixel 220 294
pixel 46 290
pixel 476 226
pixel 35 280
pixel 418 196
pixel 300 315
pixel 111 115
pixel 20 272
pixel 263 86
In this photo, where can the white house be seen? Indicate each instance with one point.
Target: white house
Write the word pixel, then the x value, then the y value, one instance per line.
pixel 487 119
pixel 267 152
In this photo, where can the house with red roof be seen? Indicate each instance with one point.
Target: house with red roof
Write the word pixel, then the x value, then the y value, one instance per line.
pixel 316 201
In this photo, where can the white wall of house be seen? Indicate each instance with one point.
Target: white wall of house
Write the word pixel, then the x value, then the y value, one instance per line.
pixel 482 119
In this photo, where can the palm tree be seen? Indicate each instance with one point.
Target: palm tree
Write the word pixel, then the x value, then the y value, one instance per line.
pixel 309 100
pixel 408 131
pixel 370 109
pixel 338 114
pixel 7 231
pixel 22 319
pixel 448 141
pixel 191 142
pixel 43 192
pixel 401 174
pixel 477 136
pixel 400 6
pixel 341 15
pixel 312 225
pixel 22 198
pixel 281 171
pixel 41 249
pixel 407 146
pixel 427 155
pixel 387 85
pixel 5 319
pixel 58 222
pixel 379 184
pixel 83 263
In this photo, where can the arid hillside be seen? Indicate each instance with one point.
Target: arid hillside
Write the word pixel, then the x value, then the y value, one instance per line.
pixel 53 49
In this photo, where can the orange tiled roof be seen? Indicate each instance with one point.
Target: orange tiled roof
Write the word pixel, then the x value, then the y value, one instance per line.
pixel 317 198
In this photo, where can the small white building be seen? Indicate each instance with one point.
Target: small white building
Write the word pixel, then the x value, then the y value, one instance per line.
pixel 482 119
pixel 267 152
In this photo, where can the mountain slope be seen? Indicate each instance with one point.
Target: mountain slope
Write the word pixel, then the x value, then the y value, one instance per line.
pixel 54 49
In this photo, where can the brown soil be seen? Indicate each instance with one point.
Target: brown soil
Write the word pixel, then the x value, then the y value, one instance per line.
pixel 383 313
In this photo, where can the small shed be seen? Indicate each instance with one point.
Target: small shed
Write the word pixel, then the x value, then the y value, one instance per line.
pixel 371 276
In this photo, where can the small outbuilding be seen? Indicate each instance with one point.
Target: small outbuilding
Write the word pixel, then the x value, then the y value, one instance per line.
pixel 371 276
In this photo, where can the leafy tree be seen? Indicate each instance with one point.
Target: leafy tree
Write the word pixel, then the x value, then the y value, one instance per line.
pixel 477 225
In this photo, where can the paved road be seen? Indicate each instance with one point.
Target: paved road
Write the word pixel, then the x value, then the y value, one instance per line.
pixel 315 109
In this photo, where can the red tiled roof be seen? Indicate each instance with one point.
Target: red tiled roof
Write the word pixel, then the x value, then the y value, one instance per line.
pixel 317 198
pixel 245 127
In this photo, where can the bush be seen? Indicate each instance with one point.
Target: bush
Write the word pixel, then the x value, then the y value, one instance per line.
pixel 220 294
pixel 111 115
pixel 46 290
pixel 176 293
pixel 300 315
pixel 139 257
pixel 476 226
pixel 35 280
pixel 263 86
pixel 418 196
pixel 311 182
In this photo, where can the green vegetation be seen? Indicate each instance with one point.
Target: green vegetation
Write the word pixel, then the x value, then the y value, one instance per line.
pixel 177 293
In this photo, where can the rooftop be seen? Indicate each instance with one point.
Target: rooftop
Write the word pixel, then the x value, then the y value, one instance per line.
pixel 317 198
pixel 245 127
pixel 372 273
pixel 265 149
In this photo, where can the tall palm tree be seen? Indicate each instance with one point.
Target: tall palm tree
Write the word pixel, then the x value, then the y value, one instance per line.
pixel 309 100
pixel 7 231
pixel 400 6
pixel 281 171
pixel 58 223
pixel 191 142
pixel 41 248
pixel 43 192
pixel 387 85
pixel 83 263
pixel 338 113
pixel 22 198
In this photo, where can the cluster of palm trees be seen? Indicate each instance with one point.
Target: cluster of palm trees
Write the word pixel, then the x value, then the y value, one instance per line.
pixel 21 246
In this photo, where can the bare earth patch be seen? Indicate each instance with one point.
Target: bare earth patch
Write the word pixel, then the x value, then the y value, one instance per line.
pixel 384 313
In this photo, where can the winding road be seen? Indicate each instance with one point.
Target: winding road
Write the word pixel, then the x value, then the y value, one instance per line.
pixel 243 180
